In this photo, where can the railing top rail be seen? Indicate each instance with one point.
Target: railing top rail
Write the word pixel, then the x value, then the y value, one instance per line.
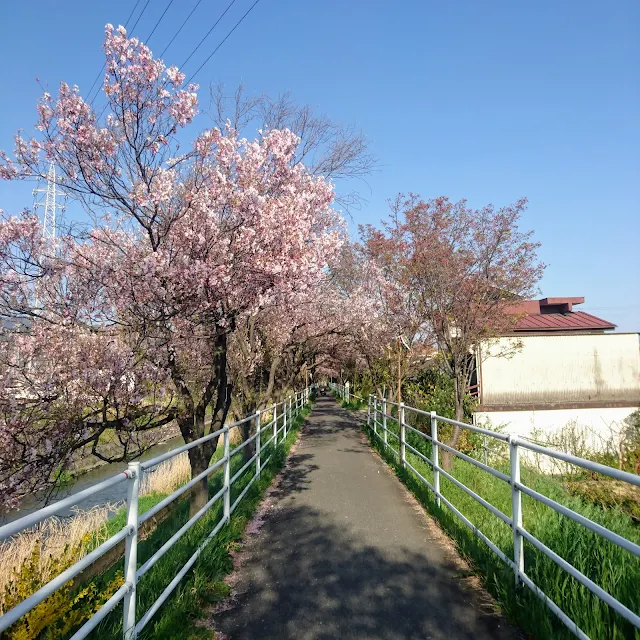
pixel 517 489
pixel 471 427
pixel 56 507
pixel 174 452
pixel 596 467
pixel 135 519
pixel 152 462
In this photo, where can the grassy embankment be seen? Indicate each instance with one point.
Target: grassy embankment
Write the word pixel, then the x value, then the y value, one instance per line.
pixel 615 570
pixel 33 558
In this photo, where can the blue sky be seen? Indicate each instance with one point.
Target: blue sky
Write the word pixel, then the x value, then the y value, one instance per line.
pixel 480 99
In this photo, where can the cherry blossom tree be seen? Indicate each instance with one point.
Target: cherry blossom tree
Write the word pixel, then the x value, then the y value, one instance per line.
pixel 462 268
pixel 183 243
pixel 65 383
pixel 335 151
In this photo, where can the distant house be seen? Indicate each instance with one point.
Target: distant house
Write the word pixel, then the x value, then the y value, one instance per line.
pixel 559 367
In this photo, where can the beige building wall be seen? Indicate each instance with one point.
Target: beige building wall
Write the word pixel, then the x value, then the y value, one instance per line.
pixel 544 370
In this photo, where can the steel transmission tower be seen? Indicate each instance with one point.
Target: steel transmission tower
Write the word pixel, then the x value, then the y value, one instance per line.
pixel 50 203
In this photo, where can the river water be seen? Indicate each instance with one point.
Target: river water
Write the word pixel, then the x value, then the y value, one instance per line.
pixel 111 495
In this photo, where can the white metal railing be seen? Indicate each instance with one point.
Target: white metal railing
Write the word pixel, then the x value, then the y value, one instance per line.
pixel 377 421
pixel 283 415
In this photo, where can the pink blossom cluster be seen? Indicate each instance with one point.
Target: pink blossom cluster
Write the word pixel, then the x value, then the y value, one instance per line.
pixel 139 320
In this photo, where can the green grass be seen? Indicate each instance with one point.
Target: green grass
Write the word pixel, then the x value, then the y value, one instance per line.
pixel 615 570
pixel 353 404
pixel 203 584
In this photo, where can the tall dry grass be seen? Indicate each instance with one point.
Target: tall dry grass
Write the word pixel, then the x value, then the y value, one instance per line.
pixel 57 542
pixel 54 539
pixel 167 476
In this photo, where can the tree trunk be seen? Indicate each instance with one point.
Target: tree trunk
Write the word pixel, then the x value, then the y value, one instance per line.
pixel 447 456
pixel 199 458
pixel 245 429
pixel 192 421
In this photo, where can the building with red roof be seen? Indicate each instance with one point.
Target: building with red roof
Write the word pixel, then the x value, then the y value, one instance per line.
pixel 559 367
pixel 556 314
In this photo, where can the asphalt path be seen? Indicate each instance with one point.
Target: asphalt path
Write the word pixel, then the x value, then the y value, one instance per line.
pixel 345 553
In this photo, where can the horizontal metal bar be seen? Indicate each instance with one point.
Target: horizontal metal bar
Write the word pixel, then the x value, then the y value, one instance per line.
pixel 267 426
pixel 264 445
pixel 419 475
pixel 176 580
pixel 243 468
pixel 475 496
pixel 178 492
pixel 568 622
pixel 627 545
pixel 419 454
pixel 178 450
pixel 580 577
pixel 479 533
pixel 244 491
pixel 421 412
pixel 51 510
pixel 240 447
pixel 393 435
pixel 420 433
pixel 177 535
pixel 477 463
pixel 596 467
pixel 464 425
pixel 102 612
pixel 470 427
pixel 13 615
pixel 392 449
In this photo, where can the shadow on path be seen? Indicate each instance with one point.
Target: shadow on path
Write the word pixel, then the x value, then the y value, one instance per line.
pixel 344 554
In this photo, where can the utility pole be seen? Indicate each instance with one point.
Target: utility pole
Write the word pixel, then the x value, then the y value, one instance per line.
pixel 50 204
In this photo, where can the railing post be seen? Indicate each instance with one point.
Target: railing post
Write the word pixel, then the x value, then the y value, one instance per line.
pixel 375 414
pixel 284 420
pixel 290 408
pixel 384 419
pixel 403 435
pixel 516 508
pixel 131 551
pixel 258 423
pixel 435 456
pixel 275 425
pixel 227 475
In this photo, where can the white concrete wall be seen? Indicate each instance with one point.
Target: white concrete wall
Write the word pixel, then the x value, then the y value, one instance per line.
pixel 575 431
pixel 560 368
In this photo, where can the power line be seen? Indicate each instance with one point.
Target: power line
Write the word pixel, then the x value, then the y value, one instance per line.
pixel 157 23
pixel 104 63
pixel 132 28
pixel 180 29
pixel 141 14
pixel 208 32
pixel 193 75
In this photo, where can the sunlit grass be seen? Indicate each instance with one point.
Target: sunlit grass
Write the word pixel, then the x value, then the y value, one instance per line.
pixel 612 568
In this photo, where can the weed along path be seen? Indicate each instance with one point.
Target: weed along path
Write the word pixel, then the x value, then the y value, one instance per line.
pixel 340 551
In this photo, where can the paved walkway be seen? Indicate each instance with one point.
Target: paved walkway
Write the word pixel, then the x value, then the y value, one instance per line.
pixel 344 554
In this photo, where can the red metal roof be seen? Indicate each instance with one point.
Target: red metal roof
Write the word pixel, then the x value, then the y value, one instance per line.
pixel 572 321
